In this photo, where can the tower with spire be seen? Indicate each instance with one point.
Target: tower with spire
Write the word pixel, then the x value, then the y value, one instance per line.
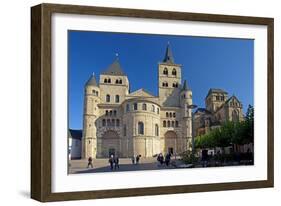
pixel 169 80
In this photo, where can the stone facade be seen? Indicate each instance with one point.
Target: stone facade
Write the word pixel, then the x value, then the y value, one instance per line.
pixel 218 109
pixel 124 123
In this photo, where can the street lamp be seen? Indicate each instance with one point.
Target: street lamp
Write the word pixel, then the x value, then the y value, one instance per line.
pixel 192 106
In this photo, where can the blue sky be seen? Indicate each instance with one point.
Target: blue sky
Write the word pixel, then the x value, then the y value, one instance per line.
pixel 207 63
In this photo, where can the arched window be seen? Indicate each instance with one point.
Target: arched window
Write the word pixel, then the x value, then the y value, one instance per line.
pixel 105 80
pixel 108 122
pixel 106 113
pixel 114 112
pixel 109 80
pixel 140 128
pixel 120 81
pixel 143 106
pixel 171 114
pixel 127 107
pixel 156 130
pixel 175 85
pixel 158 110
pixel 135 106
pixel 235 116
pixel 169 124
pixel 174 114
pixel 165 84
pixel 117 98
pixel 103 123
pixel 177 124
pixel 153 108
pixel 173 124
pixel 165 71
pixel 117 123
pixel 164 123
pixel 174 72
pixel 117 81
pixel 167 114
pixel 107 98
pixel 110 113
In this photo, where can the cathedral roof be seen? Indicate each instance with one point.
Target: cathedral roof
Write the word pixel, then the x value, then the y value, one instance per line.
pixel 169 55
pixel 141 93
pixel 92 81
pixel 215 90
pixel 114 69
pixel 185 86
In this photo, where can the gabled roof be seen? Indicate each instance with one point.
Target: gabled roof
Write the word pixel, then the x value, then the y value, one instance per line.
pixel 168 55
pixel 92 81
pixel 215 90
pixel 75 133
pixel 141 93
pixel 114 69
pixel 232 97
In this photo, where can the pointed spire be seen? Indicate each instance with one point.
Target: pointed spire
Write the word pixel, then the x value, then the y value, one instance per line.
pixel 115 68
pixel 92 81
pixel 168 56
pixel 185 86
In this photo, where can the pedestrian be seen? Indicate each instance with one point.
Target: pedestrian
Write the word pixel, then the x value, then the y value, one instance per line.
pixel 133 159
pixel 111 161
pixel 138 159
pixel 116 163
pixel 167 158
pixel 90 162
pixel 160 159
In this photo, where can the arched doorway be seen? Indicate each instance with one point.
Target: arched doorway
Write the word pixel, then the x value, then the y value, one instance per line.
pixel 110 144
pixel 170 142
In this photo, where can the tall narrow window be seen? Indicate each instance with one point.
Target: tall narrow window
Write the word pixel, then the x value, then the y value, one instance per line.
pixel 174 72
pixel 106 113
pixel 173 124
pixel 144 106
pixel 156 130
pixel 153 108
pixel 103 123
pixel 107 98
pixel 117 81
pixel 127 107
pixel 169 124
pixel 157 110
pixel 117 123
pixel 174 114
pixel 140 128
pixel 135 106
pixel 170 114
pixel 167 114
pixel 164 124
pixel 165 71
pixel 110 113
pixel 105 80
pixel 113 122
pixel 177 124
pixel 109 80
pixel 120 81
pixel 108 122
pixel 125 130
pixel 114 112
pixel 117 98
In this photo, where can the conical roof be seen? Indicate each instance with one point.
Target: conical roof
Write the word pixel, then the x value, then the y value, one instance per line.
pixel 114 69
pixel 92 81
pixel 168 55
pixel 185 87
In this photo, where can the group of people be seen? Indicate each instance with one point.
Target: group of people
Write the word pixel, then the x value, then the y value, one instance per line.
pixel 167 159
pixel 136 159
pixel 114 162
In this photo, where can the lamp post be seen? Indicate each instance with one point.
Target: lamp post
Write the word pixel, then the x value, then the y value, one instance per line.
pixel 192 106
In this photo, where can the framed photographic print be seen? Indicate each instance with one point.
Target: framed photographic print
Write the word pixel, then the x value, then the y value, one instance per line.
pixel 130 102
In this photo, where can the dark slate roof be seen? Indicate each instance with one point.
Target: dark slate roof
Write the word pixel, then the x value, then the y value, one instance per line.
pixel 202 110
pixel 214 90
pixel 185 86
pixel 92 81
pixel 114 69
pixel 76 133
pixel 169 55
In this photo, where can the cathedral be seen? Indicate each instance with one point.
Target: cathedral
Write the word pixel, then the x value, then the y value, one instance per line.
pixel 119 122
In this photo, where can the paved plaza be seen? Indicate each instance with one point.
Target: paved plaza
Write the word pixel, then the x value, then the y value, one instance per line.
pixel 125 164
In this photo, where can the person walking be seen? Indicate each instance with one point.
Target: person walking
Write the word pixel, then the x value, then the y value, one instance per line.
pixel 138 159
pixel 160 159
pixel 90 162
pixel 167 159
pixel 116 162
pixel 111 161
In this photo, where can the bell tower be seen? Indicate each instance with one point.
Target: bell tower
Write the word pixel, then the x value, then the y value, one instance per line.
pixel 169 80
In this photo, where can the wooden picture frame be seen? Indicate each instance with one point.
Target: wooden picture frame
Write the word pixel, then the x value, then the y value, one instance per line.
pixel 41 97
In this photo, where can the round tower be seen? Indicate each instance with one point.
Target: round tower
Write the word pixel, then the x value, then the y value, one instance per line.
pixel 91 113
pixel 186 105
